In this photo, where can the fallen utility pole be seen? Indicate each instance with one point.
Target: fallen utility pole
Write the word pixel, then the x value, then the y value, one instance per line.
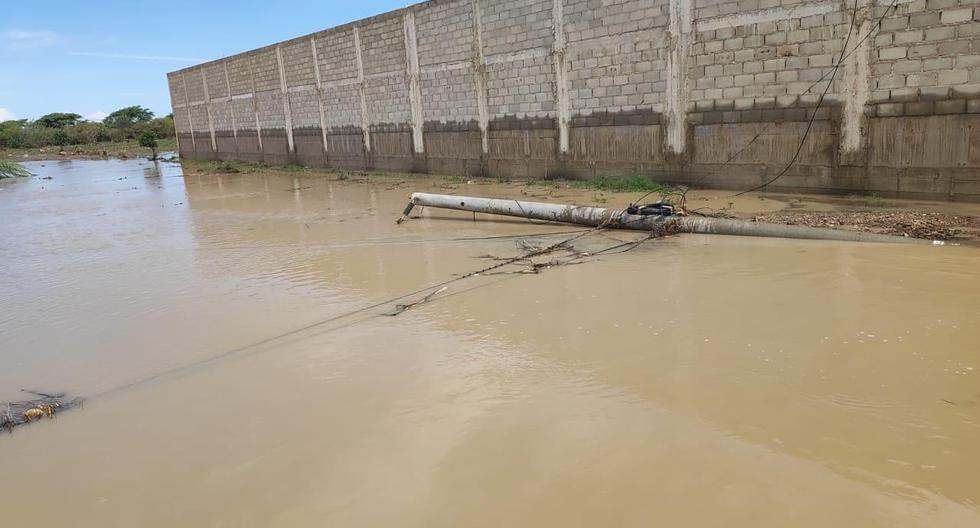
pixel 618 219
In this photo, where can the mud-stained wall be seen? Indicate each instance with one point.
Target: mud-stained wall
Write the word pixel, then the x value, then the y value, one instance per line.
pixel 706 92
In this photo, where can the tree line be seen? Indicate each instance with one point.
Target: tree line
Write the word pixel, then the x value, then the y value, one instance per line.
pixel 63 129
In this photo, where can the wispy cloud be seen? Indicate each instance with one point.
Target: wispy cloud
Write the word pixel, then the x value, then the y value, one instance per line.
pixel 20 39
pixel 6 115
pixel 127 56
pixel 96 116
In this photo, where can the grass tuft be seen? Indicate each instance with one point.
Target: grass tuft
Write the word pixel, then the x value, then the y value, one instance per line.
pixel 10 169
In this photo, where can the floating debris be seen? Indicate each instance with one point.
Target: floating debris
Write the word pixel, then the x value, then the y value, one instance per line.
pixel 16 413
pixel 911 224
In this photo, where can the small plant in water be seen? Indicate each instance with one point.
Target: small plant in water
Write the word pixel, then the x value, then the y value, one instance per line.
pixel 149 140
pixel 226 167
pixel 455 179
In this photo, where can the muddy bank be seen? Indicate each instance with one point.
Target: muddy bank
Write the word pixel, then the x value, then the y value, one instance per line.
pixel 96 151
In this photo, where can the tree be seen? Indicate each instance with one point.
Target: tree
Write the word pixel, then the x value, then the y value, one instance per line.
pixel 127 117
pixel 9 131
pixel 60 138
pixel 149 140
pixel 58 120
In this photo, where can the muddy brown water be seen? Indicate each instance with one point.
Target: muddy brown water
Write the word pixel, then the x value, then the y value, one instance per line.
pixel 695 381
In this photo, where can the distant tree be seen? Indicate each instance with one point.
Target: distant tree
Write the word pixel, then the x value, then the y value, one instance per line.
pixel 149 140
pixel 58 120
pixel 127 117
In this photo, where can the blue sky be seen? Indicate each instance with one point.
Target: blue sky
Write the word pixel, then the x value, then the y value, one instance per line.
pixel 95 57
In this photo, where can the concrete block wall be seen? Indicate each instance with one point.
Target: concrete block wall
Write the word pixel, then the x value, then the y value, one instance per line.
pixel 706 92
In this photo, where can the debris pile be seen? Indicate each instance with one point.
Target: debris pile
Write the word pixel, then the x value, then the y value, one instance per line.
pixel 16 413
pixel 912 224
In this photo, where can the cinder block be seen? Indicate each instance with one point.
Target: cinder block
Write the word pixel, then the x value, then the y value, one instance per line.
pixel 774 64
pixel 776 38
pixel 924 19
pixel 951 77
pixel 920 108
pixel 891 81
pixel 952 106
pixel 921 79
pixel 925 50
pixel 744 80
pixel 933 93
pixel 744 104
pixel 890 109
pixel 968 61
pixel 906 37
pixel 940 33
pixel 954 16
pixel 971 90
pixel 893 53
pixel 800 35
pixel 822 60
pixel 904 94
pixel 941 63
pixel 895 23
pixel 907 66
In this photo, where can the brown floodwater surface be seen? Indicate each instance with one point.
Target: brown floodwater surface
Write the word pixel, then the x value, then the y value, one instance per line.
pixel 213 323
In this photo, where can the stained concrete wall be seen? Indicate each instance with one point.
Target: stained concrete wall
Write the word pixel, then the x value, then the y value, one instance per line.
pixel 707 92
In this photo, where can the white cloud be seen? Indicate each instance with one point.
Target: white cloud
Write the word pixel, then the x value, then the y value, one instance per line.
pixel 136 57
pixel 6 115
pixel 96 116
pixel 20 39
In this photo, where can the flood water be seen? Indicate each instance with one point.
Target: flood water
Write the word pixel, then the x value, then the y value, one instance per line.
pixel 695 381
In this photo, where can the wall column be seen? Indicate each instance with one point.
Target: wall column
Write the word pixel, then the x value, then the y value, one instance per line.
pixel 480 71
pixel 319 93
pixel 855 89
pixel 287 112
pixel 679 48
pixel 414 90
pixel 561 80
pixel 365 120
pixel 255 102
pixel 187 106
pixel 207 107
pixel 231 105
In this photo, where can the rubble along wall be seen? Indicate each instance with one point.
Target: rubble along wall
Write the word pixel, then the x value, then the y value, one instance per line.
pixel 708 92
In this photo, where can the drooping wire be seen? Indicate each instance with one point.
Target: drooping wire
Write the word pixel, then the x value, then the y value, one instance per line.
pixel 816 110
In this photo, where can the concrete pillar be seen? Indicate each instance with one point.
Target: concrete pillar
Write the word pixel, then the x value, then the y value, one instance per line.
pixel 207 108
pixel 187 106
pixel 287 112
pixel 561 76
pixel 255 102
pixel 319 93
pixel 365 120
pixel 855 89
pixel 678 50
pixel 480 71
pixel 231 106
pixel 414 90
